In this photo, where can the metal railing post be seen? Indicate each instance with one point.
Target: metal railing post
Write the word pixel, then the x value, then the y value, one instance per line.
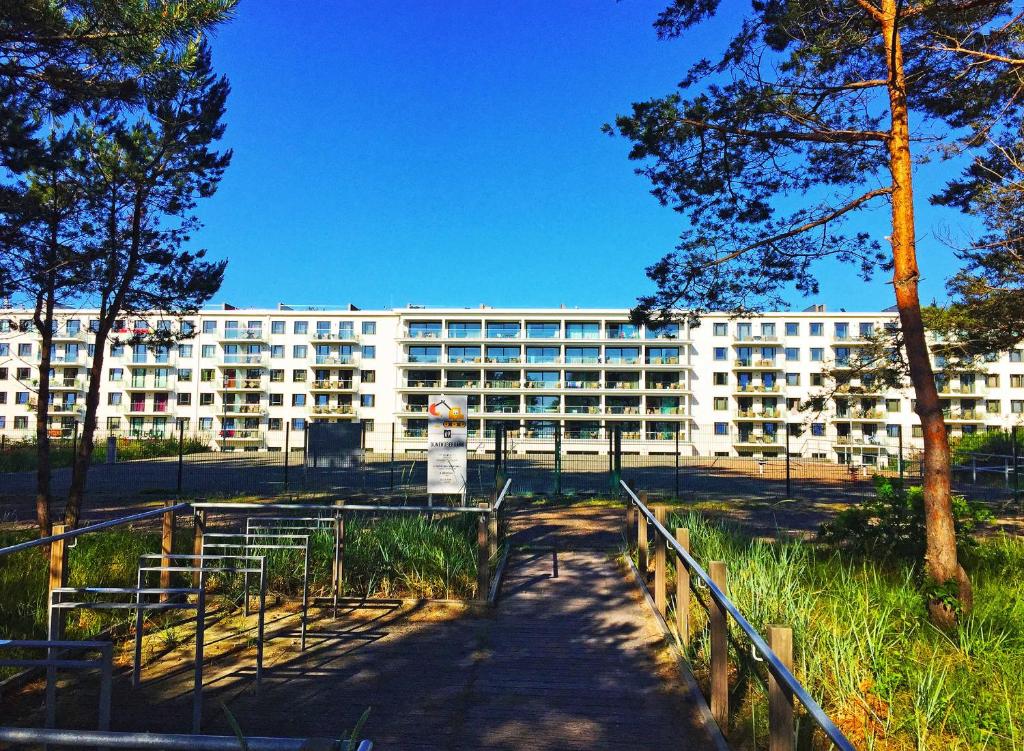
pixel 1016 469
pixel 617 471
pixel 719 651
pixel 58 575
pixel 789 490
pixel 558 460
pixel 287 451
pixel 391 464
pixel 899 461
pixel 676 496
pixel 198 530
pixel 181 454
pixel 683 589
pixel 780 698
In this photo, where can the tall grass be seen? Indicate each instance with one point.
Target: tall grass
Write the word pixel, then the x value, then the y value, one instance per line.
pixel 864 647
pixel 20 456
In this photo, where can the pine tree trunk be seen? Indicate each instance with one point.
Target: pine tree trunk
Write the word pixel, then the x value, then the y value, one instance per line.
pixel 43 319
pixel 83 456
pixel 941 565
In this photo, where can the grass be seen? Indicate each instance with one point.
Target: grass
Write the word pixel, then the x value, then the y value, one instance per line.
pixel 396 555
pixel 864 647
pixel 20 456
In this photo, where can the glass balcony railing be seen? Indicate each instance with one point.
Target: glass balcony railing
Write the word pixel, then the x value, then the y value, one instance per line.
pixel 248 334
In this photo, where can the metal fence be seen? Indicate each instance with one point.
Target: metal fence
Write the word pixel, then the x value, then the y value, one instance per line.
pixel 700 464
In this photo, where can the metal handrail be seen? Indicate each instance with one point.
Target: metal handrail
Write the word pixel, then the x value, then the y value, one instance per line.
pixel 502 494
pixel 341 508
pixel 776 668
pixel 94 528
pixel 168 741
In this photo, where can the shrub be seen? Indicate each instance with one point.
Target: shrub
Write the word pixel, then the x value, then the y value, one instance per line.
pixel 892 522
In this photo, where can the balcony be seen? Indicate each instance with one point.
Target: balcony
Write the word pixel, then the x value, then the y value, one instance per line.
pixel 655 410
pixel 333 359
pixel 665 385
pixel 500 409
pixel 137 409
pixel 462 384
pixel 757 439
pixel 418 408
pixel 755 364
pixel 430 334
pixel 331 385
pixel 242 358
pixel 583 384
pixel 865 441
pixel 503 384
pixel 341 335
pixel 618 409
pixel 756 388
pixel 332 409
pixel 662 360
pixel 63 335
pixel 622 385
pixel 968 415
pixel 243 410
pixel 581 360
pixel 745 340
pixel 62 408
pixel 542 384
pixel 661 435
pixel 464 360
pixel 67 384
pixel 243 335
pixel 542 409
pixel 241 384
pixel 66 359
pixel 415 433
pixel 423 383
pixel 582 410
pixel 246 435
pixel 502 360
pixel 153 385
pixel 865 414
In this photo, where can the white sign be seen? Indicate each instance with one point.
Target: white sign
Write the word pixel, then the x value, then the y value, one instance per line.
pixel 446 444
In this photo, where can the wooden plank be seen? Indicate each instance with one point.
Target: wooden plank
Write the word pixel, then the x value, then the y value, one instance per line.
pixel 641 544
pixel 780 700
pixel 683 590
pixel 198 529
pixel 660 573
pixel 719 652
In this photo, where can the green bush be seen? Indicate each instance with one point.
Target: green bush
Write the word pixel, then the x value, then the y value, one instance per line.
pixel 986 442
pixel 892 522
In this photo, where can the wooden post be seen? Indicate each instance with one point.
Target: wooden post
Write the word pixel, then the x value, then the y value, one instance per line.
pixel 683 590
pixel 641 543
pixel 199 527
pixel 338 575
pixel 58 578
pixel 483 574
pixel 719 652
pixel 780 700
pixel 167 528
pixel 492 534
pixel 630 522
pixel 660 577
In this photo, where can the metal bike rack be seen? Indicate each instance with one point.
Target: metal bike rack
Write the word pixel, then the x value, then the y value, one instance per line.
pixel 55 661
pixel 58 605
pixel 250 564
pixel 244 542
pixel 302 525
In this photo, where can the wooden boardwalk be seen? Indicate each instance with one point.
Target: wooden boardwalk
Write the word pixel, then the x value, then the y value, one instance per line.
pixel 572 661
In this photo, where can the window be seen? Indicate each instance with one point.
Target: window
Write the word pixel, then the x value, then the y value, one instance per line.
pixel 298 376
pixel 5 350
pixel 792 379
pixel 817 429
pixel 277 400
pixel 277 327
pixel 21 423
pixel 721 379
pixel 276 376
pixel 817 328
pixel 209 327
pixel 184 350
pixel 817 354
pixel 206 375
pixel 428 354
pixel 23 374
pixel 582 331
pixel 115 374
pixel 1017 406
pixel 721 329
pixel 1016 381
pixel 206 423
pixel 117 350
pixel 276 351
pixel 366 400
pixel 622 331
pixel 208 351
pixel 369 352
pixel 721 354
pixel 993 406
pixel 792 328
pixel 114 398
pixel 298 400
pixel 842 331
pixel 502 330
pixel 3 374
pixel 543 330
pixel 792 354
pixel 992 380
pixel 184 399
pixel 892 405
pixel 275 423
pixel 298 423
pixel 768 330
pixel 24 350
pixel 665 331
pixel 113 423
pixel 205 399
pixel 721 403
pixel 368 376
pixel 368 328
pixel 721 428
pixel 300 327
pixel 1015 354
pixel 299 351
pixel 866 329
pixel 817 379
pixel 463 330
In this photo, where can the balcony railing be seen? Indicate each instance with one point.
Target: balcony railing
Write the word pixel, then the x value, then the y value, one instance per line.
pixel 248 334
pixel 342 335
pixel 542 384
pixel 335 409
pixel 622 410
pixel 757 388
pixel 622 385
pixel 583 410
pixel 583 384
pixel 539 409
pixel 246 358
pixel 757 438
pixel 662 360
pixel 243 409
pixel 243 434
pixel 503 359
pixel 502 384
pixel 670 385
pixel 416 407
pixel 506 409
pixel 242 384
pixel 333 359
pixel 463 384
pixel 456 360
pixel 664 410
pixel 423 383
pixel 329 385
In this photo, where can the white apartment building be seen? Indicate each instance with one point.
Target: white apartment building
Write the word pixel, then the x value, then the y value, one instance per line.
pixel 728 387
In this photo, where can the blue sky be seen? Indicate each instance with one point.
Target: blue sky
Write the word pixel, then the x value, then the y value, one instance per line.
pixel 450 153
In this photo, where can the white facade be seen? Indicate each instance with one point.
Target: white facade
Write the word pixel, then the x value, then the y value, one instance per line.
pixel 728 387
